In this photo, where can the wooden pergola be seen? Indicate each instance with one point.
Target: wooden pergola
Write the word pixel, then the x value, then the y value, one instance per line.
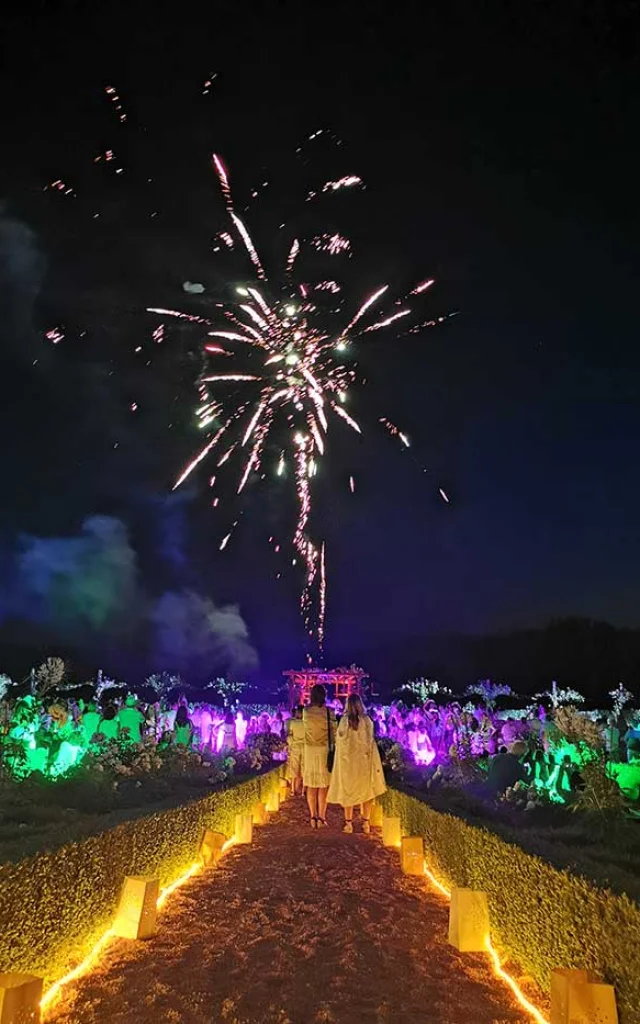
pixel 338 683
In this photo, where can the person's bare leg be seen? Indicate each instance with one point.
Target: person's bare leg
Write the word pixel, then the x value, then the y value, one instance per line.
pixel 322 802
pixel 312 802
pixel 365 811
pixel 348 814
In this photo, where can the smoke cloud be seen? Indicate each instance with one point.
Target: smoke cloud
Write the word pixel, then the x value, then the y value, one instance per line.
pixel 79 584
pixel 85 591
pixel 190 631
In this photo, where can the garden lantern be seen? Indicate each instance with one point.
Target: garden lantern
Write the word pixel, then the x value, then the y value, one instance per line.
pixel 468 920
pixel 137 911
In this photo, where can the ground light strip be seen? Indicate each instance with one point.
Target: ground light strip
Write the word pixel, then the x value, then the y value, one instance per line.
pixel 93 955
pixel 498 969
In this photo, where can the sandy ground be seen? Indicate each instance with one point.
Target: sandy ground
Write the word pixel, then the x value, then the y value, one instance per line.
pixel 302 927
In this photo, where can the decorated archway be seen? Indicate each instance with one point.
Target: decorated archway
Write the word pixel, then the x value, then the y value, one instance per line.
pixel 339 683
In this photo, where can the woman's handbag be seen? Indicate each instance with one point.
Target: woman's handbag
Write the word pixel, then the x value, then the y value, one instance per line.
pixel 331 752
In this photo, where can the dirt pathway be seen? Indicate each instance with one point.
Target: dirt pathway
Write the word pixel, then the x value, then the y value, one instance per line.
pixel 302 927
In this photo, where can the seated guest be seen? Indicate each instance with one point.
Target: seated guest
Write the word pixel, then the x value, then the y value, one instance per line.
pixel 505 769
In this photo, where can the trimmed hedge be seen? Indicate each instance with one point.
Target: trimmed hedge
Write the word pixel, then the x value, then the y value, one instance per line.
pixel 55 905
pixel 543 916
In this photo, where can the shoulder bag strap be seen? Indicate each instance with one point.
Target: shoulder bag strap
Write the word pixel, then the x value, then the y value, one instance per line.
pixel 329 736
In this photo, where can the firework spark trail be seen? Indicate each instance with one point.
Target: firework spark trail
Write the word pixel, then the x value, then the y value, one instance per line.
pixel 180 316
pixel 60 186
pixel 117 105
pixel 244 234
pixel 323 596
pixel 385 323
pixel 201 455
pixel 208 84
pixel 289 381
pixel 293 252
pixel 364 307
pixel 224 181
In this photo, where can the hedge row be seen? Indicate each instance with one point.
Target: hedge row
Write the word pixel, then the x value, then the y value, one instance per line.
pixel 544 917
pixel 55 905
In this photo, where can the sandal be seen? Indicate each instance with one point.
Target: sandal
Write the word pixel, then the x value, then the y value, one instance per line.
pixel 366 827
pixel 322 822
pixel 313 822
pixel 348 827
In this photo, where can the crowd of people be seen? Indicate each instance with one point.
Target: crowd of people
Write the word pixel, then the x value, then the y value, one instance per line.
pixel 525 748
pixel 52 737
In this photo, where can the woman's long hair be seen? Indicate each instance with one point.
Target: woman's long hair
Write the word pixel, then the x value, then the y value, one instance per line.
pixel 354 710
pixel 317 696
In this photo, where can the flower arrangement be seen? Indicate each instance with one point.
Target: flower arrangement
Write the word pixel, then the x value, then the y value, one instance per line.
pixel 163 683
pixel 49 675
pixel 559 695
pixel 488 692
pixel 6 682
pixel 227 689
pixel 421 689
pixel 621 697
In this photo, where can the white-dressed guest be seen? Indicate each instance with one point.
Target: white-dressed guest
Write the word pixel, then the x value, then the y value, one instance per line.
pixel 319 731
pixel 295 750
pixel 357 776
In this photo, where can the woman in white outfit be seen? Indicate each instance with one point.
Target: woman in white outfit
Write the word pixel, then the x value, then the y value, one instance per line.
pixel 319 729
pixel 295 750
pixel 357 776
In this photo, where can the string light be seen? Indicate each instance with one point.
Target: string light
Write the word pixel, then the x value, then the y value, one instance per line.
pixel 498 969
pixel 434 881
pixel 512 983
pixel 78 971
pixel 92 956
pixel 169 889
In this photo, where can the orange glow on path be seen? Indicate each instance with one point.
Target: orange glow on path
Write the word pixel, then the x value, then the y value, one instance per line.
pixel 513 985
pixel 92 956
pixel 81 969
pixel 498 969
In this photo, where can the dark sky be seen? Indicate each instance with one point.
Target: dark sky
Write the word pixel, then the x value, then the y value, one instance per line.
pixel 499 143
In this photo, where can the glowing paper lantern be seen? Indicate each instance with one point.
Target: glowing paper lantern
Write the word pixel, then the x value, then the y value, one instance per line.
pixel 468 920
pixel 576 1000
pixel 391 831
pixel 136 916
pixel 561 982
pixel 259 813
pixel 244 828
pixel 20 996
pixel 273 801
pixel 412 855
pixel 375 819
pixel 211 848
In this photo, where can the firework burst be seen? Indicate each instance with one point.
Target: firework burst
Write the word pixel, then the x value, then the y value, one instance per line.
pixel 289 376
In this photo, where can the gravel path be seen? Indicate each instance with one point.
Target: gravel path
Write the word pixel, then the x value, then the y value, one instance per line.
pixel 302 927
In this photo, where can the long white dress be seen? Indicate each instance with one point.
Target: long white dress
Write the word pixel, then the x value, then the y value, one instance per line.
pixel 357 774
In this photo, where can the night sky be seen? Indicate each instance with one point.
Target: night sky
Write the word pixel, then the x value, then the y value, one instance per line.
pixel 500 148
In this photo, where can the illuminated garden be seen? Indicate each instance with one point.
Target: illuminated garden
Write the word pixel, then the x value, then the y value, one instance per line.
pixel 319 546
pixel 101 782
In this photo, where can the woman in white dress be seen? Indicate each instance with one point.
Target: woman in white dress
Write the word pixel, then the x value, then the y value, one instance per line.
pixel 357 776
pixel 319 731
pixel 295 749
